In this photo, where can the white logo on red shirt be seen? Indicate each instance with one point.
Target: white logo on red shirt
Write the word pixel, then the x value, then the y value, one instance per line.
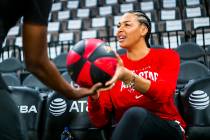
pixel 145 74
pixel 138 96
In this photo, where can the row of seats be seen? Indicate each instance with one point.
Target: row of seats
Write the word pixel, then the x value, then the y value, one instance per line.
pixel 170 39
pixel 194 65
pixel 156 4
pixel 45 117
pixel 120 6
pixel 154 14
pixel 193 104
pixel 37 105
pixel 173 30
pixel 189 70
pixel 173 41
pixel 100 18
pixel 112 21
pixel 15 73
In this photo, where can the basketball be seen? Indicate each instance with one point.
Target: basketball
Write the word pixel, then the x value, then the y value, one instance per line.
pixel 91 61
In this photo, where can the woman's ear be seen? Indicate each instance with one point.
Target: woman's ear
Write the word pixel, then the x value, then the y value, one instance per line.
pixel 143 30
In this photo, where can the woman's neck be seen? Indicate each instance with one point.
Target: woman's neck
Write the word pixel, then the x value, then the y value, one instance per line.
pixel 138 52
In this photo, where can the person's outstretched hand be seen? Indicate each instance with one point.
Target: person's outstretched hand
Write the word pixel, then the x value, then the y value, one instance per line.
pixel 83 92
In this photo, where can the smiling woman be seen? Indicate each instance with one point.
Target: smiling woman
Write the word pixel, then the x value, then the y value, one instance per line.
pixel 144 86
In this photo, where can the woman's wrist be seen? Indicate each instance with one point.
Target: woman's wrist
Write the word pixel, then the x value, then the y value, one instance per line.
pixel 129 79
pixel 94 97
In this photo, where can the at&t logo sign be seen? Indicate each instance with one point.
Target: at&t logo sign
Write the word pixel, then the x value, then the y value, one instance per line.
pixel 199 99
pixel 57 107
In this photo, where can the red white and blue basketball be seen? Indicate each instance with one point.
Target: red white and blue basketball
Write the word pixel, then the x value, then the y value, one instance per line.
pixel 91 61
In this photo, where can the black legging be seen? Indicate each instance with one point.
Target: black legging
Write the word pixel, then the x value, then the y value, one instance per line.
pixel 139 124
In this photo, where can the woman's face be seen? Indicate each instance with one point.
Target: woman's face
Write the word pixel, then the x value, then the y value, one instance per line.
pixel 129 30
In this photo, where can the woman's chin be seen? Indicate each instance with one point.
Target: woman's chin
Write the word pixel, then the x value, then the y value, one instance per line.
pixel 123 46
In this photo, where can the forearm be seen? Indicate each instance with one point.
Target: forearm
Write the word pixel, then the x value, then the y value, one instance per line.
pixel 46 72
pixel 97 113
pixel 37 61
pixel 152 89
pixel 139 83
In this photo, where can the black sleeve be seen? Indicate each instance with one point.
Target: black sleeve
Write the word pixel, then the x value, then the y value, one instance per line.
pixel 37 11
pixel 33 11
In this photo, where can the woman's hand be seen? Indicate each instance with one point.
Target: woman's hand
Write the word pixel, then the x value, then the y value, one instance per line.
pixel 118 73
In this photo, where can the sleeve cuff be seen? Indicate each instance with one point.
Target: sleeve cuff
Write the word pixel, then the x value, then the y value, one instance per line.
pixel 93 104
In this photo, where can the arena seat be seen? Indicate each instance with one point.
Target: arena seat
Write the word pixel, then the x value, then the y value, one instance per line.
pixel 53 27
pixel 83 13
pixel 11 69
pixel 60 62
pixel 156 46
pixel 11 79
pixel 56 6
pixel 112 2
pixel 66 37
pixel 191 70
pixel 67 77
pixel 64 15
pixel 194 11
pixel 105 10
pixel 191 51
pixel 125 7
pixel 148 5
pixel 100 24
pixel 170 14
pixel 89 3
pixel 33 82
pixel 10 65
pixel 72 5
pixel 196 109
pixel 75 24
pixel 190 3
pixel 30 106
pixel 208 54
pixel 169 4
pixel 61 112
pixel 89 34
